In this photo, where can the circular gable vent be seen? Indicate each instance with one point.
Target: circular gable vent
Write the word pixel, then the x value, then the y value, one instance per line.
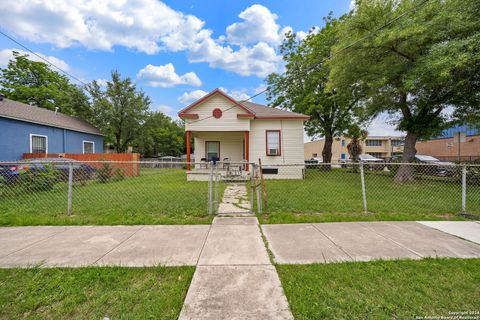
pixel 217 113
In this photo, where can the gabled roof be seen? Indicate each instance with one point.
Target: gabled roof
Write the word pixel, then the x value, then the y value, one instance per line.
pixel 24 112
pixel 252 110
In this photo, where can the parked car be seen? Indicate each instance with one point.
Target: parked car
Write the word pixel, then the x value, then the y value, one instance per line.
pixel 371 162
pixel 433 166
pixel 313 162
pixel 11 172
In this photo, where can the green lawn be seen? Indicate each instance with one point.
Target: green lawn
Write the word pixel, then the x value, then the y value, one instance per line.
pixel 382 289
pixel 336 196
pixel 157 196
pixel 93 293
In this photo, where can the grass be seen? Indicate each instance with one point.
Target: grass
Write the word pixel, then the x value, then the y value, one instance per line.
pixel 382 289
pixel 157 196
pixel 336 195
pixel 93 293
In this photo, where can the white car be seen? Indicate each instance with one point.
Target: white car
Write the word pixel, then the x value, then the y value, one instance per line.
pixel 441 168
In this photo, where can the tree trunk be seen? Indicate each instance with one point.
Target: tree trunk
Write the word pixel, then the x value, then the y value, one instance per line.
pixel 405 172
pixel 327 151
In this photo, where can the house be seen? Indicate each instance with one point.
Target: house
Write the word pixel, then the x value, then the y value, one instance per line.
pixel 232 131
pixel 29 129
pixel 383 147
pixel 458 143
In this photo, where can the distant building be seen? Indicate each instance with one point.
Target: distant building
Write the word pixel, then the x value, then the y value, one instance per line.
pixel 458 143
pixel 378 146
pixel 29 129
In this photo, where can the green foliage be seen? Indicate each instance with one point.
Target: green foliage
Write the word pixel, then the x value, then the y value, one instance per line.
pixel 160 136
pixel 105 172
pixel 302 88
pixel 119 109
pixel 118 174
pixel 34 180
pixel 33 82
pixel 414 68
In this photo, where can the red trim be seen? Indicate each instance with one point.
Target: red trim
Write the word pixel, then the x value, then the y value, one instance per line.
pixel 243 115
pixel 188 115
pixel 186 109
pixel 279 143
pixel 206 153
pixel 247 149
pixel 187 137
pixel 303 117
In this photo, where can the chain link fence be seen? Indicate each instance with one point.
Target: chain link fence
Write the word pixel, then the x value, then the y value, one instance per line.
pixel 140 192
pixel 127 192
pixel 374 187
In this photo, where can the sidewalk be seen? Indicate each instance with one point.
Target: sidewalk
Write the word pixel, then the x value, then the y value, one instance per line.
pixel 234 278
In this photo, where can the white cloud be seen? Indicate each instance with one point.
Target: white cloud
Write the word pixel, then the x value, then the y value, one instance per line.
pixel 189 97
pixel 259 60
pixel 258 25
pixel 7 55
pixel 149 26
pixel 301 35
pixel 102 82
pixel 100 25
pixel 166 77
pixel 238 95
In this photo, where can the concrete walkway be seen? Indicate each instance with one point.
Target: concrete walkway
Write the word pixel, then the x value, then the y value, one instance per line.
pixel 234 278
pixel 235 200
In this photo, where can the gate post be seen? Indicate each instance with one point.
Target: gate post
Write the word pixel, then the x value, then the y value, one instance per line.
pixel 210 191
pixel 70 188
pixel 252 186
pixel 464 189
pixel 364 194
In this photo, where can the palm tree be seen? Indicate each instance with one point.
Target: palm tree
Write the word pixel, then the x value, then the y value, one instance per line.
pixel 354 147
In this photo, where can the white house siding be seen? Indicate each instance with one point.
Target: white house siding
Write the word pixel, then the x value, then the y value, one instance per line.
pixel 228 121
pixel 291 147
pixel 231 144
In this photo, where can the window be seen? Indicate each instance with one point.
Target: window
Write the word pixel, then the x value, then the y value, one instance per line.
pixel 374 143
pixel 274 145
pixel 212 150
pixel 397 143
pixel 88 147
pixel 38 143
pixel 343 143
pixel 343 156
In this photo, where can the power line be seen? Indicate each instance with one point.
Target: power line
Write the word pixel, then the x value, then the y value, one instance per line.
pixel 233 106
pixel 39 56
pixel 340 50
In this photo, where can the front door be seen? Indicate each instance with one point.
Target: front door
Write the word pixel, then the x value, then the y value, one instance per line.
pixel 212 150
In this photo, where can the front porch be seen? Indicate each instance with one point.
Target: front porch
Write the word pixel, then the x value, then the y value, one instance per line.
pixel 227 150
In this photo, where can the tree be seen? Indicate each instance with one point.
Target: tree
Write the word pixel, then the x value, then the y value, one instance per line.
pixel 356 135
pixel 34 83
pixel 160 135
pixel 417 68
pixel 302 87
pixel 119 109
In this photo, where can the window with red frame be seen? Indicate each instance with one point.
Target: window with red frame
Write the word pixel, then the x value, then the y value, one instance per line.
pixel 274 143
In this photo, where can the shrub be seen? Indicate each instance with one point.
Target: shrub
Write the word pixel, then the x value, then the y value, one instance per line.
pixel 104 174
pixel 118 175
pixel 39 179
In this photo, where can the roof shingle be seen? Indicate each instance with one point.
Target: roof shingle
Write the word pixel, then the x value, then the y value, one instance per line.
pixel 24 112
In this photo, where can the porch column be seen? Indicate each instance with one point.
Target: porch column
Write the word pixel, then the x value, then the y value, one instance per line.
pixel 187 137
pixel 247 149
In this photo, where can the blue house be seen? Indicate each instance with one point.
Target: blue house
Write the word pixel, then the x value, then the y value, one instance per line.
pixel 29 129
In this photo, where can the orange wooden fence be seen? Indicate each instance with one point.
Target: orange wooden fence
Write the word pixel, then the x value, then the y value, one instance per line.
pixel 118 160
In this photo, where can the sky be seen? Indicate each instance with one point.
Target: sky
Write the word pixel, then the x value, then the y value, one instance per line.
pixel 176 50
